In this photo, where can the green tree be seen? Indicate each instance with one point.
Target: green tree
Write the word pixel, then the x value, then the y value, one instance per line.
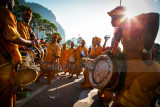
pixel 36 20
pixel 79 40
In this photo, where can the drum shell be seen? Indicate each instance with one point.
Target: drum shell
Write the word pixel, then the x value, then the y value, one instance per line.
pixel 112 79
pixel 35 53
pixel 26 59
pixel 25 76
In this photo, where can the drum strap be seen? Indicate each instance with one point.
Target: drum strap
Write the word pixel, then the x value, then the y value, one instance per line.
pixel 55 49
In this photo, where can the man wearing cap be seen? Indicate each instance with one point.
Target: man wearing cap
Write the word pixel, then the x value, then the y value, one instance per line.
pixel 9 53
pixel 27 33
pixel 81 51
pixel 98 50
pixel 24 28
pixel 63 59
pixel 143 74
pixel 48 65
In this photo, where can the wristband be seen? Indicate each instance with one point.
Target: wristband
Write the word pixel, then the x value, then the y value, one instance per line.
pixel 33 43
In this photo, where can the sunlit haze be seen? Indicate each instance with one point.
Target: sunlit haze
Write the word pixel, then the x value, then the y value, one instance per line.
pixel 89 18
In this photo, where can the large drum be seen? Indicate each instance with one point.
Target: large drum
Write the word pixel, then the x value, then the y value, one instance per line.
pixel 87 63
pixel 35 53
pixel 25 73
pixel 108 73
pixel 72 59
pixel 26 59
pixel 25 76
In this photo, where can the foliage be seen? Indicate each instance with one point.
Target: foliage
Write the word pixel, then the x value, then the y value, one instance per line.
pixel 79 40
pixel 37 21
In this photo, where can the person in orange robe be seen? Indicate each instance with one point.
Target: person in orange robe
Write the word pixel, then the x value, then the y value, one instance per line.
pixel 98 50
pixel 27 33
pixel 24 28
pixel 58 59
pixel 63 59
pixel 93 46
pixel 71 51
pixel 143 74
pixel 48 66
pixel 81 51
pixel 9 53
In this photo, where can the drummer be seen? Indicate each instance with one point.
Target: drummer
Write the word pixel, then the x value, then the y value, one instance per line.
pixel 25 30
pixel 143 76
pixel 98 50
pixel 58 59
pixel 63 59
pixel 81 51
pixel 93 46
pixel 27 33
pixel 9 53
pixel 54 52
pixel 71 51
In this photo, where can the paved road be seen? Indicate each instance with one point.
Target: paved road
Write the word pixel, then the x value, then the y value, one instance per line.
pixel 62 92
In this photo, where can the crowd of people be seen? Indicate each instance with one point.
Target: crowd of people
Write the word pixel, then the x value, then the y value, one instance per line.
pixel 137 35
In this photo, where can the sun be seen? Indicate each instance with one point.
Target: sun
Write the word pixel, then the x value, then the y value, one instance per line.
pixel 129 14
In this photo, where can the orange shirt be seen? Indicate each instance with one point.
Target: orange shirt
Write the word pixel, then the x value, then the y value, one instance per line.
pixel 8 31
pixel 97 51
pixel 78 53
pixel 92 50
pixel 23 30
pixel 52 52
pixel 71 51
pixel 63 55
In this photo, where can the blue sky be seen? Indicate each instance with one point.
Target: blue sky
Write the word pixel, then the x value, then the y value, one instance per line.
pixel 89 17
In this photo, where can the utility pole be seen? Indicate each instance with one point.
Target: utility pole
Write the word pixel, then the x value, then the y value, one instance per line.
pixel 120 2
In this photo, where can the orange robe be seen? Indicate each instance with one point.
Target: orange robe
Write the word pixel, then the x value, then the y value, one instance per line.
pixel 71 51
pixel 47 65
pixel 140 75
pixel 63 59
pixel 8 31
pixel 92 50
pixel 25 31
pixel 97 51
pixel 76 68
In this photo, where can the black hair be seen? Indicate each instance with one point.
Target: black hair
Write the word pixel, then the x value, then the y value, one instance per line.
pixel 3 2
pixel 157 45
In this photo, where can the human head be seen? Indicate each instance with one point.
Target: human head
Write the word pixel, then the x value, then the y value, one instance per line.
pixel 83 43
pixel 98 41
pixel 156 47
pixel 54 38
pixel 64 46
pixel 59 40
pixel 117 15
pixel 7 3
pixel 27 15
pixel 72 44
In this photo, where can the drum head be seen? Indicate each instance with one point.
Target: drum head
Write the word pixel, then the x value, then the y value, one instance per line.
pixel 101 71
pixel 72 59
pixel 101 74
pixel 26 76
pixel 90 64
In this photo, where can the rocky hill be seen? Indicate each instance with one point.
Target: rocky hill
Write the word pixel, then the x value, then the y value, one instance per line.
pixel 46 14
